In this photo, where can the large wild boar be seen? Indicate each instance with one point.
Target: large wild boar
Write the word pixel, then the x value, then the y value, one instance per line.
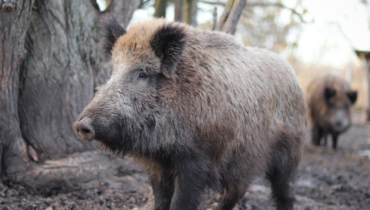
pixel 329 100
pixel 198 111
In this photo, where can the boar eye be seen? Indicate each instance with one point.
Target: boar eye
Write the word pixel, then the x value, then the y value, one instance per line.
pixel 143 76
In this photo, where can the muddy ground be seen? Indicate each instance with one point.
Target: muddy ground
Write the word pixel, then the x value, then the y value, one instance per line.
pixel 327 179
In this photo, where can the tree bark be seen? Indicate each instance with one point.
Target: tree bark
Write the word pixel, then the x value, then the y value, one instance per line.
pixel 58 75
pixel 123 10
pixel 160 8
pixel 50 66
pixel 191 12
pixel 231 15
pixel 179 10
pixel 15 19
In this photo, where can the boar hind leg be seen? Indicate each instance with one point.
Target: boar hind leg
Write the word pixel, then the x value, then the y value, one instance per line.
pixel 163 188
pixel 281 172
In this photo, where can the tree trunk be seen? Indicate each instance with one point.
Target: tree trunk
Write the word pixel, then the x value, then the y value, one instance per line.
pixel 231 15
pixel 179 10
pixel 15 19
pixel 160 8
pixel 57 78
pixel 214 18
pixel 191 12
pixel 123 10
pixel 367 69
pixel 45 87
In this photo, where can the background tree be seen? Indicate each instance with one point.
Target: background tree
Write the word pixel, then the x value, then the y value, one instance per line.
pixel 191 9
pixel 50 66
pixel 160 8
pixel 365 57
pixel 179 10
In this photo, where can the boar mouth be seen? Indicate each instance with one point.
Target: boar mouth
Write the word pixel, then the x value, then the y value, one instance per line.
pixel 84 129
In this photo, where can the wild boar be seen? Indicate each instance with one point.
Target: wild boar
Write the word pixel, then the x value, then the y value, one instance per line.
pixel 329 100
pixel 198 111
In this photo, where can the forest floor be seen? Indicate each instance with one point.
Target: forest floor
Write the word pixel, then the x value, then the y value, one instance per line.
pixel 327 179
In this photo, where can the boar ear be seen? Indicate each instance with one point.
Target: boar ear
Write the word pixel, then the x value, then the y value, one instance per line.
pixel 168 44
pixel 111 31
pixel 329 93
pixel 352 95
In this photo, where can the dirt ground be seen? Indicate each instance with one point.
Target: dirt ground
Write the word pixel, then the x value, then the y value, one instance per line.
pixel 327 179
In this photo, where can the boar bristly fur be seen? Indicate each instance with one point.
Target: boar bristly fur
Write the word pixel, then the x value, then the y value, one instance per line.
pixel 329 100
pixel 198 110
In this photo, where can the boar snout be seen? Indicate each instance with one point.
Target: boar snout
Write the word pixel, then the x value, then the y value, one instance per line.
pixel 84 129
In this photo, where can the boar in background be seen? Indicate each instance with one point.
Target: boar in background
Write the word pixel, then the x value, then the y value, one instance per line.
pixel 330 99
pixel 198 111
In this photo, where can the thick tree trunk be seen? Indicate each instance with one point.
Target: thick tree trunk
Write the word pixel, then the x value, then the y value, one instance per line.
pixel 231 15
pixel 191 10
pixel 160 8
pixel 58 75
pixel 44 87
pixel 15 19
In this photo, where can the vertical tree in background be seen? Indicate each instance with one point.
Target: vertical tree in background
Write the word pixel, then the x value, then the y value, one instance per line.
pixel 191 12
pixel 365 57
pixel 160 8
pixel 179 10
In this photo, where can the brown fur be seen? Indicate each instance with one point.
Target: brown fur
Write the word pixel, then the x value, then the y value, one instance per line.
pixel 322 108
pixel 226 114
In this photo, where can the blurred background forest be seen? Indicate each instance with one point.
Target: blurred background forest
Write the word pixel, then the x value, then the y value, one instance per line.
pixel 50 66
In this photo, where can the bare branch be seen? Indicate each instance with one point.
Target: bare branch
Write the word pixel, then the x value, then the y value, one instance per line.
pixel 229 19
pixel 295 12
pixel 224 15
pixel 299 15
pixel 213 3
pixel 143 4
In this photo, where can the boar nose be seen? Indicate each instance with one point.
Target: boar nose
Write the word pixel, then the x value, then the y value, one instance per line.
pixel 84 129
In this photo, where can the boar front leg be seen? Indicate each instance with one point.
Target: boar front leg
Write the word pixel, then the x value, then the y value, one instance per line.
pixel 163 188
pixel 194 175
pixel 316 134
pixel 335 136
